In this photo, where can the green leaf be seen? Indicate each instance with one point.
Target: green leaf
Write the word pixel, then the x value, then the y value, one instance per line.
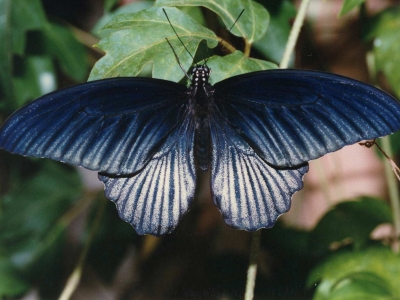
pixel 35 77
pixel 235 64
pixel 252 25
pixel 361 285
pixel 384 30
pixel 107 17
pixel 141 40
pixel 273 43
pixel 352 221
pixel 374 270
pixel 348 5
pixel 61 43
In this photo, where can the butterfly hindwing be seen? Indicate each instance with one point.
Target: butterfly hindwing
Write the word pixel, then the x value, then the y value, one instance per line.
pixel 112 125
pixel 290 116
pixel 249 193
pixel 154 200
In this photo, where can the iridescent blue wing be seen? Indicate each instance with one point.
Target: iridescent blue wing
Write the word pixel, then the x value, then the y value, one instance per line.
pixel 112 125
pixel 290 116
pixel 154 200
pixel 249 193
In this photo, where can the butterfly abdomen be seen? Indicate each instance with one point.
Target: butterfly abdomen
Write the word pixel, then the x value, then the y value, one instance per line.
pixel 202 141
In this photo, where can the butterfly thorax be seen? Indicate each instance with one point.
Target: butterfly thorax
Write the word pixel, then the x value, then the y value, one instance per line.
pixel 201 99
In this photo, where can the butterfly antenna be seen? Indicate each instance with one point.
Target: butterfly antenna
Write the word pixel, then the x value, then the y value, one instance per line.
pixel 177 35
pixel 237 19
pixel 177 59
pixel 395 168
pixel 234 23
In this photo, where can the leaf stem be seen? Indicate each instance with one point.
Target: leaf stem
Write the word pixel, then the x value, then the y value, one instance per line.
pixel 247 48
pixel 75 277
pixel 227 46
pixel 294 34
pixel 393 193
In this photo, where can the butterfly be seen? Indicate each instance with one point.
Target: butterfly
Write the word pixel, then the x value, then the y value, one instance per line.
pixel 149 139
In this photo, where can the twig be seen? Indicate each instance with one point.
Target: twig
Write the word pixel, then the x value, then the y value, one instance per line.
pixel 393 193
pixel 252 269
pixel 75 277
pixel 294 34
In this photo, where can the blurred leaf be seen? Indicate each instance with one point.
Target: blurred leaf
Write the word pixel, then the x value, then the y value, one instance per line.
pixel 348 5
pixel 384 30
pixel 61 44
pixel 374 270
pixel 31 210
pixel 109 4
pixel 35 77
pixel 352 220
pixel 11 284
pixel 141 40
pixel 25 15
pixel 17 17
pixel 252 25
pixel 227 271
pixel 394 143
pixel 133 7
pixel 113 238
pixel 5 51
pixel 235 64
pixel 273 43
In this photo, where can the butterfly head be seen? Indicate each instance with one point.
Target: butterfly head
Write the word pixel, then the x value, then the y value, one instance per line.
pixel 200 75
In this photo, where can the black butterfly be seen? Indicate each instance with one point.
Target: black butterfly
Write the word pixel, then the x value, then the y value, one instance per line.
pixel 149 138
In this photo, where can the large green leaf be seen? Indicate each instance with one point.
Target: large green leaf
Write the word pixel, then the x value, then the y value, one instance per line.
pixel 352 221
pixel 349 5
pixel 141 39
pixel 384 30
pixel 126 9
pixel 235 64
pixel 374 271
pixel 252 25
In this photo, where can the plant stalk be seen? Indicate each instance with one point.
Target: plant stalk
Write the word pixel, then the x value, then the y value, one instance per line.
pixel 255 243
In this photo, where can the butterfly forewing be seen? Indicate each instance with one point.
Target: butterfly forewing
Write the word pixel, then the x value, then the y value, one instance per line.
pixel 289 117
pixel 113 125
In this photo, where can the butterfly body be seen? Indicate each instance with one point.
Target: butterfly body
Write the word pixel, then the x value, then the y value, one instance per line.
pixel 201 99
pixel 148 137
